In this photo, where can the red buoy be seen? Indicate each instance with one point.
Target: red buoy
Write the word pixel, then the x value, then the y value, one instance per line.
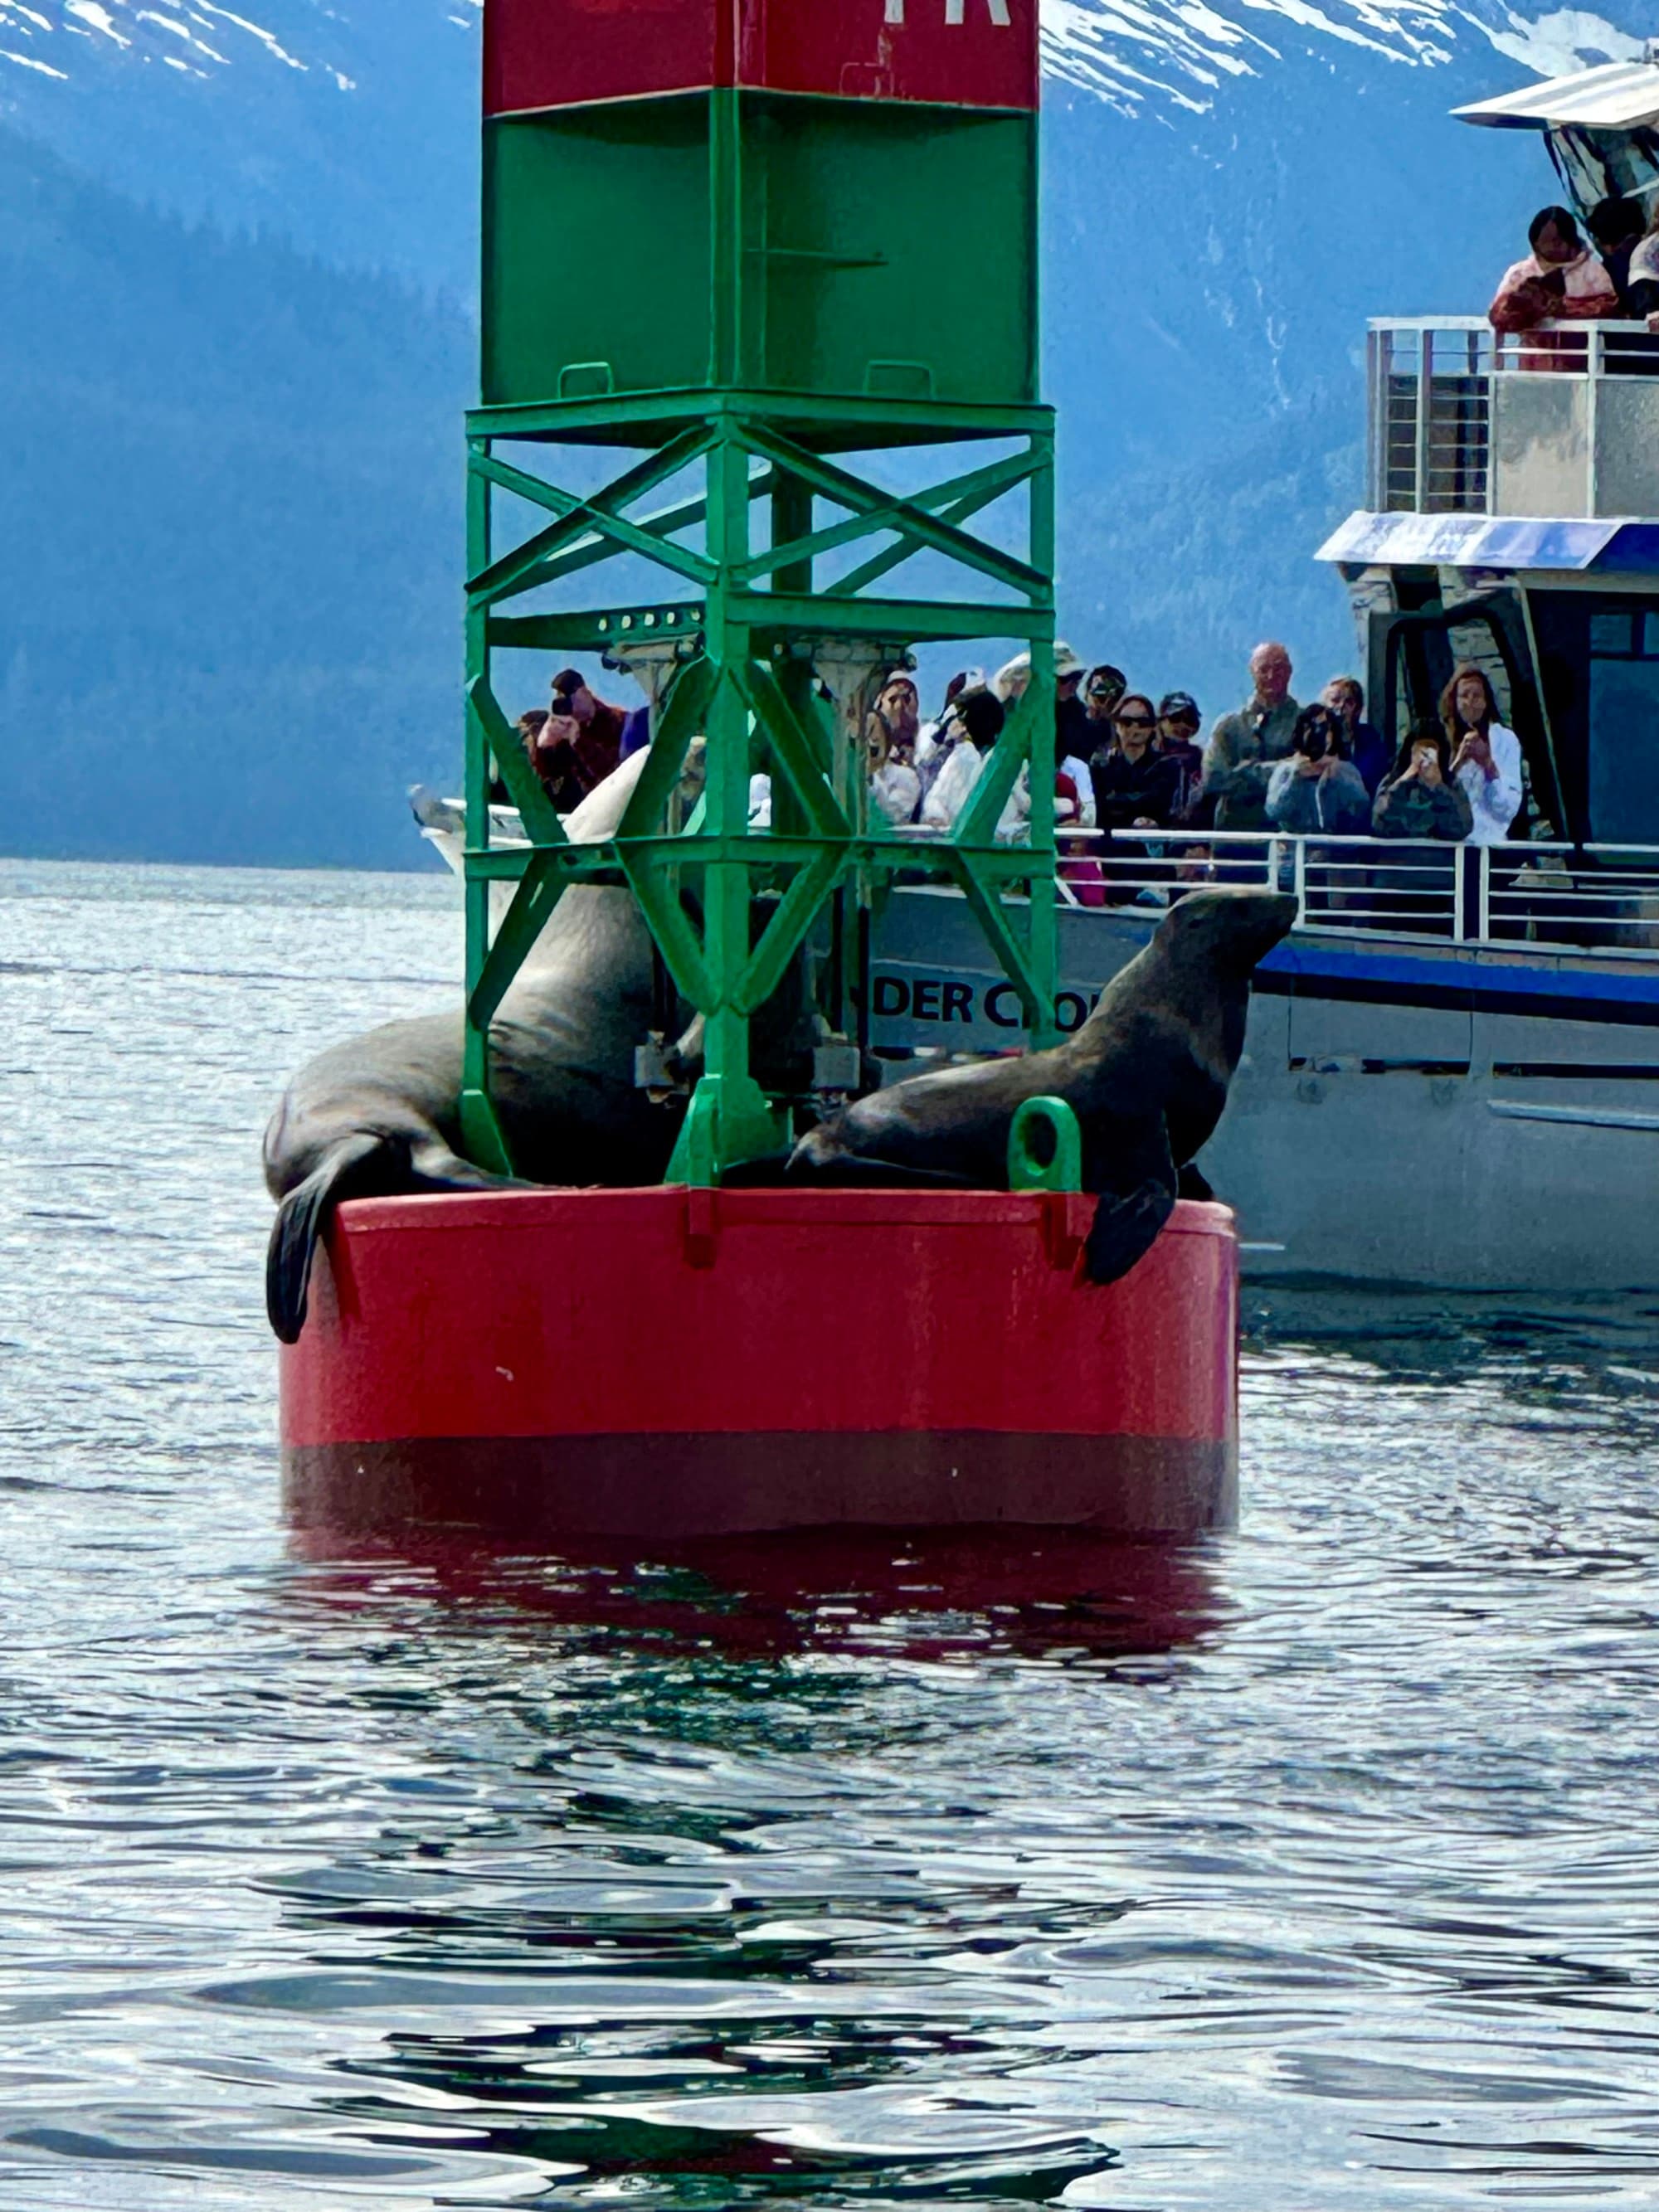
pixel 672 1362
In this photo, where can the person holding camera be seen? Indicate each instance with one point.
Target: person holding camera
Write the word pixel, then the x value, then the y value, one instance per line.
pixel 1560 281
pixel 1421 801
pixel 1486 756
pixel 1420 798
pixel 1316 792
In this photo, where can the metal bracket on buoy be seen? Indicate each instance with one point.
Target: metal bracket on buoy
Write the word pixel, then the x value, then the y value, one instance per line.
pixel 1049 1124
pixel 1062 1169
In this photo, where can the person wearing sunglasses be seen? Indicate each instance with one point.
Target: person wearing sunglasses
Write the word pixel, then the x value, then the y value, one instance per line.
pixel 1135 786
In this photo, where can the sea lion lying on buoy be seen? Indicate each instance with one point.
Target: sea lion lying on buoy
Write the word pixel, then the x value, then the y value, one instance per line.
pixel 381 1113
pixel 1147 1076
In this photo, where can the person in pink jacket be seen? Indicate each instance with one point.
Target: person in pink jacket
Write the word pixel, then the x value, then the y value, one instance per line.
pixel 1560 281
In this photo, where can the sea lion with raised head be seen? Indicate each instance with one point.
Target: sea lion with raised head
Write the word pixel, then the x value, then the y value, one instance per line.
pixel 1146 1075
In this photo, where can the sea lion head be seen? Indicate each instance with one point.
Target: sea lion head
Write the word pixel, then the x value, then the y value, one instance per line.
pixel 1223 932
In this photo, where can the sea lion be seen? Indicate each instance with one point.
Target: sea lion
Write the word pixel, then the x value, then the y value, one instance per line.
pixel 1147 1076
pixel 381 1113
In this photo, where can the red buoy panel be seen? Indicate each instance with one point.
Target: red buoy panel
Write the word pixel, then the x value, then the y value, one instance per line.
pixel 668 1363
pixel 562 54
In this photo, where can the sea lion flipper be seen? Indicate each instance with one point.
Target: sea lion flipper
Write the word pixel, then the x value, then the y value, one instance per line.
pixel 1138 1198
pixel 300 1222
pixel 1125 1230
pixel 1191 1183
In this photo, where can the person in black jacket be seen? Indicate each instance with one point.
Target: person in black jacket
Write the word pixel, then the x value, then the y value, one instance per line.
pixel 1136 788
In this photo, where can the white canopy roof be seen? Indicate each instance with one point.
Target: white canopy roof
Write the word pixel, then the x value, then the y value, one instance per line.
pixel 1617 97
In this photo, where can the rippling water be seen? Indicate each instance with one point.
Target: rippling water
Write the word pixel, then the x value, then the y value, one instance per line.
pixel 1315 1868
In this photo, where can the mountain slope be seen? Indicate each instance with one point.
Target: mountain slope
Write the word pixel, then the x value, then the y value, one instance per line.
pixel 228 628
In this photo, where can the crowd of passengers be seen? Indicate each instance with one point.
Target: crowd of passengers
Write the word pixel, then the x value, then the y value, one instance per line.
pixel 1563 279
pixel 1123 763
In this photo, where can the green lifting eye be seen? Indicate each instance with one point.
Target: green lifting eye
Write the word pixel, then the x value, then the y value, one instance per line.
pixel 1045 1147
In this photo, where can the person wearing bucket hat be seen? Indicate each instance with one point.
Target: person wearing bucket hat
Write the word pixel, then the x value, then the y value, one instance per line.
pixel 1072 731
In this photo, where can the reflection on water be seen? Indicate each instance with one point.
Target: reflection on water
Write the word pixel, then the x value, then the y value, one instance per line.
pixel 1314 1867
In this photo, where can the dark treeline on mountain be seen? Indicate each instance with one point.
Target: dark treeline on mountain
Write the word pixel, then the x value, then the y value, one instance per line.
pixel 229 578
pixel 231 476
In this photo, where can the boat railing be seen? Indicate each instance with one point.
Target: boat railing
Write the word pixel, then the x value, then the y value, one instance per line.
pixel 1593 898
pixel 1562 421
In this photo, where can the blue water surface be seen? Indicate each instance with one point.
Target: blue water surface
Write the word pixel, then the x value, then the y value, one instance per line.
pixel 1314 1870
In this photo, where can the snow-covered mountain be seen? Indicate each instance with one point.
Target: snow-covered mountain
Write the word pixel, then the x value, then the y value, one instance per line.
pixel 349 127
pixel 242 239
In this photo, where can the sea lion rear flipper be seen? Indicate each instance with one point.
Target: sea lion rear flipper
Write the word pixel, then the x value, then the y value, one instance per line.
pixel 1129 1216
pixel 1125 1230
pixel 301 1217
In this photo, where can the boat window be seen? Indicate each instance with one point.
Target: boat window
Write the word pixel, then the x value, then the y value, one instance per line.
pixel 1595 165
pixel 1624 726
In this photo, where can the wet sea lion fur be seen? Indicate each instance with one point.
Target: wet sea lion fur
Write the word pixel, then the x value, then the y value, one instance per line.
pixel 381 1113
pixel 1146 1075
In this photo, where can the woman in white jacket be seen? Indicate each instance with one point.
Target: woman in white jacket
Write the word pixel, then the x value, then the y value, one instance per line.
pixel 1486 756
pixel 978 723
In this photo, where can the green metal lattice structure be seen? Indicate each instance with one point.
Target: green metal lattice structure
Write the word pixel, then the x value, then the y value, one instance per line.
pixel 785 338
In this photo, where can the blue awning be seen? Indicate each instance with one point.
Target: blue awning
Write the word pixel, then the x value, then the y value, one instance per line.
pixel 1491 541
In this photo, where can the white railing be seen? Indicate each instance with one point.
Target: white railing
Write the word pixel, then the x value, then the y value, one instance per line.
pixel 1590 897
pixel 1466 420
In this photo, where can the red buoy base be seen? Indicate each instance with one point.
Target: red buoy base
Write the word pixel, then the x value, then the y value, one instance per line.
pixel 667 1364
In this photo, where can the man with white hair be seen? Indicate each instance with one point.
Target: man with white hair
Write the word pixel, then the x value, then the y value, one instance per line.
pixel 1245 747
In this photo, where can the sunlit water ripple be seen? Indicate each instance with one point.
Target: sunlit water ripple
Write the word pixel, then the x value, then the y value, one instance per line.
pixel 1316 1869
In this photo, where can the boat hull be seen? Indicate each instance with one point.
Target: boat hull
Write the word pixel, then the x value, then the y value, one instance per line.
pixel 1457 1116
pixel 668 1364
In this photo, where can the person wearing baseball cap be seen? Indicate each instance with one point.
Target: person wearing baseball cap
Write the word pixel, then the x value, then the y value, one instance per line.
pixel 1178 724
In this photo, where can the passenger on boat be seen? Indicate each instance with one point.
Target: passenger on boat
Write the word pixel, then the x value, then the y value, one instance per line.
pixel 929 736
pixel 1244 746
pixel 1013 680
pixel 1642 289
pixel 1105 687
pixel 1559 280
pixel 580 742
pixel 528 727
pixel 1316 792
pixel 1485 758
pixel 1072 731
pixel 1364 745
pixel 1136 785
pixel 552 756
pixel 1420 798
pixel 895 718
pixel 1178 725
pixel 1135 788
pixel 889 736
pixel 1617 226
pixel 978 723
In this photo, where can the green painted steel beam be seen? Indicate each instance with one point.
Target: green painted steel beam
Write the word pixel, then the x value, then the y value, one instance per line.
pixel 520 570
pixel 788 616
pixel 847 424
pixel 595 632
pixel 745 689
pixel 665 523
pixel 850 490
pixel 890 514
